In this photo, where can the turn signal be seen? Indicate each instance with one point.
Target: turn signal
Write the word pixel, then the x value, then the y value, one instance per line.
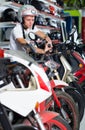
pixel 37 107
pixel 80 65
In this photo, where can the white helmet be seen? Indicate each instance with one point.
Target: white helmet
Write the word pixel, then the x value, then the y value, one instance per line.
pixel 26 10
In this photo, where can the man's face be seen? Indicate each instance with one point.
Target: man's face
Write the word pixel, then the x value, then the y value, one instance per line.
pixel 29 21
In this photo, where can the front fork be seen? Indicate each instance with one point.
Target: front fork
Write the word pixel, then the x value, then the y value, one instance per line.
pixel 39 119
pixel 58 103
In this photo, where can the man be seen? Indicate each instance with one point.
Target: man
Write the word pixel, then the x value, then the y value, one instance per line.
pixel 19 35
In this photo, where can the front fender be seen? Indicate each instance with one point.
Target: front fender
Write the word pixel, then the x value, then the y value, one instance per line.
pixel 58 84
pixel 48 115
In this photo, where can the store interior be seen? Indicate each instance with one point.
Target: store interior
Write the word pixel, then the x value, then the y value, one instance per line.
pixel 58 79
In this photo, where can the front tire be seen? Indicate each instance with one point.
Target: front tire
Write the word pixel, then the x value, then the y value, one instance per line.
pixel 78 100
pixel 57 123
pixel 70 108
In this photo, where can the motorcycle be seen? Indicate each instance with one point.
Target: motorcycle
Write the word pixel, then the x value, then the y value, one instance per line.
pixel 23 100
pixel 77 62
pixel 78 65
pixel 53 72
pixel 56 86
pixel 71 63
pixel 78 52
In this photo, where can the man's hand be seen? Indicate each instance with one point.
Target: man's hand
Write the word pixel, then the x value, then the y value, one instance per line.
pixel 48 47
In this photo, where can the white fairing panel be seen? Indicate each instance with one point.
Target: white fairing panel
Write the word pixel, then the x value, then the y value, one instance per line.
pixel 23 101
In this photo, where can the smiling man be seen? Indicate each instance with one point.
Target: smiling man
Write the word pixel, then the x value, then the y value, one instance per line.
pixel 19 34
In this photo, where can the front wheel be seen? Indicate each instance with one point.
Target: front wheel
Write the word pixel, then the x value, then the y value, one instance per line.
pixel 68 109
pixel 78 100
pixel 57 123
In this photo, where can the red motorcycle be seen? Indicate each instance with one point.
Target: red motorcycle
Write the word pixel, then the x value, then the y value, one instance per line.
pixel 77 63
pixel 78 55
pixel 80 71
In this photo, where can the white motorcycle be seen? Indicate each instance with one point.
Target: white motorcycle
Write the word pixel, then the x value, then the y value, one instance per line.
pixel 24 87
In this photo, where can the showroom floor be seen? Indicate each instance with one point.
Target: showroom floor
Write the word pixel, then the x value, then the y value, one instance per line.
pixel 82 125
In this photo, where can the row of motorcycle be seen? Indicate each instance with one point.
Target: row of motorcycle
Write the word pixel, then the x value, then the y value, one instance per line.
pixel 42 92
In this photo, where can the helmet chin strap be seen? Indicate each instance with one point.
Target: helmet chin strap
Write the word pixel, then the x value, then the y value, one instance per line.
pixel 24 26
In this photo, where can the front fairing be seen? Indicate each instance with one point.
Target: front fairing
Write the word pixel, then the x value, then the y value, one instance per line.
pixel 22 101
